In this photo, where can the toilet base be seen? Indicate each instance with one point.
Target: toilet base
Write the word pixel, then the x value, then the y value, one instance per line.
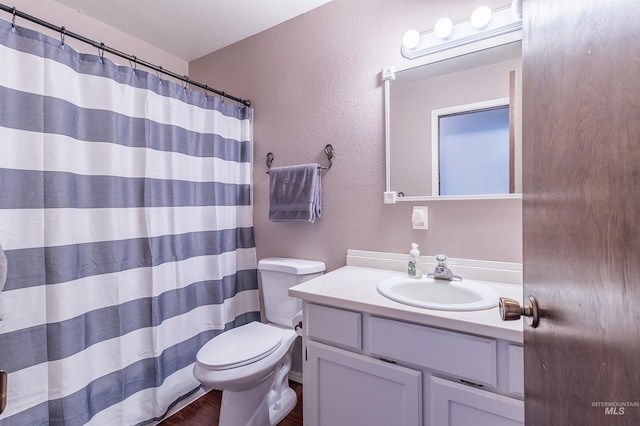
pixel 266 404
pixel 287 403
pixel 256 407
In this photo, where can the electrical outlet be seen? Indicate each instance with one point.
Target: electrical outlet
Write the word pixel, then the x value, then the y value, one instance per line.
pixel 390 197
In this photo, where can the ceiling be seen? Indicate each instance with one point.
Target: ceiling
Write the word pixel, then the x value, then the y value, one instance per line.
pixel 190 29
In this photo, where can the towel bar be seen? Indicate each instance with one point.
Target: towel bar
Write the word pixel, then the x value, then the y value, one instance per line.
pixel 328 150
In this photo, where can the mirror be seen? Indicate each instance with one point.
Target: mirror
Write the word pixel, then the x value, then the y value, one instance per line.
pixel 420 162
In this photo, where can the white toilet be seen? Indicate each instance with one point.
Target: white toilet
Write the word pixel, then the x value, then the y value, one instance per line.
pixel 250 364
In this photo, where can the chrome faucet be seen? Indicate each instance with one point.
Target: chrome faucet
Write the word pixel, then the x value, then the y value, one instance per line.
pixel 442 271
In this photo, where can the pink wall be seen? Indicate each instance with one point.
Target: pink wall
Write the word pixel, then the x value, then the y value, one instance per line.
pixel 74 21
pixel 315 80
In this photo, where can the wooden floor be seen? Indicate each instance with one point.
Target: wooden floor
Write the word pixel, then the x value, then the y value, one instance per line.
pixel 206 411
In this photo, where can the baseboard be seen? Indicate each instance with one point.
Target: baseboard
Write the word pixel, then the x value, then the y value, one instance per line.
pixel 296 376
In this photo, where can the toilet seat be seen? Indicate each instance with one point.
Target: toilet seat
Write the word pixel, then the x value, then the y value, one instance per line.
pixel 240 346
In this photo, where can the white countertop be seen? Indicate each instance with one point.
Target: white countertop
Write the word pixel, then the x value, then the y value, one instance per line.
pixel 354 288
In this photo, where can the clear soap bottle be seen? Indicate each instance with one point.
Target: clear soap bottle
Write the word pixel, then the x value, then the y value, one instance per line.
pixel 414 270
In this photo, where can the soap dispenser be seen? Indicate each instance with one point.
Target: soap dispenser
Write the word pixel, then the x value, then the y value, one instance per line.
pixel 414 269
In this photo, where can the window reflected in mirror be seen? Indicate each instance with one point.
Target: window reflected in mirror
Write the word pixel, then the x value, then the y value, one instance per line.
pixel 474 151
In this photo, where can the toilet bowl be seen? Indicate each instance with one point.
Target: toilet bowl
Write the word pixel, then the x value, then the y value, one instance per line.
pixel 250 364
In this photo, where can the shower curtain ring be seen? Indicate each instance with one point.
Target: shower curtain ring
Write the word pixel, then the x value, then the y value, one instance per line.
pixel 159 73
pixel 101 52
pixel 206 89
pixel 63 32
pixel 13 19
pixel 134 63
pixel 185 82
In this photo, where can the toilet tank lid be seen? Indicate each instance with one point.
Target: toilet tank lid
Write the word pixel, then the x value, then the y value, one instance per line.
pixel 291 266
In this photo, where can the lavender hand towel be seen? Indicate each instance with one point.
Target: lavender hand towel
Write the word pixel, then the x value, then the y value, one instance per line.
pixel 295 193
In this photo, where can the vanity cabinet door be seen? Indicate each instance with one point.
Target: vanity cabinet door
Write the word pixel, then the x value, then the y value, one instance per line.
pixel 344 388
pixel 454 404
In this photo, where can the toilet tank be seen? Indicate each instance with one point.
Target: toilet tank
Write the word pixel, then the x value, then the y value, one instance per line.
pixel 278 274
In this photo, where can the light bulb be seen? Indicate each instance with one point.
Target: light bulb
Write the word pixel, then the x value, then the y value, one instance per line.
pixel 481 17
pixel 443 27
pixel 411 39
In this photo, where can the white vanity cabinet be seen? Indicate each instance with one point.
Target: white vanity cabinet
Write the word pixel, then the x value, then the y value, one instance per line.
pixel 456 404
pixel 353 389
pixel 363 369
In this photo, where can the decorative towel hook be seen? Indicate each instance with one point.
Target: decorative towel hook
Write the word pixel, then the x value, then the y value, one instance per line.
pixel 269 160
pixel 328 150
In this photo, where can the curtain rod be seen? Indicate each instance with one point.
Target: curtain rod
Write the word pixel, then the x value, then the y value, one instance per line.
pixel 102 48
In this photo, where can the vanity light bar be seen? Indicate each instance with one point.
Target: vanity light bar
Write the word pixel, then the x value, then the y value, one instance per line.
pixel 502 21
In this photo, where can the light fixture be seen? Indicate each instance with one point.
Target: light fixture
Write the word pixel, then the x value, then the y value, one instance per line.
pixel 481 16
pixel 443 27
pixel 516 7
pixel 411 39
pixel 484 24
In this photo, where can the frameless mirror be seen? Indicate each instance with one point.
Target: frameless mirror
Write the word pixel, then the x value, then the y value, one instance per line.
pixel 453 127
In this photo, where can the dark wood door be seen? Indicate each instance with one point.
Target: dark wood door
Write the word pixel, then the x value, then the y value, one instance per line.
pixel 581 209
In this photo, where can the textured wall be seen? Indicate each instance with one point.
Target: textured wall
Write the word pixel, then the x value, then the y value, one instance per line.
pixel 315 80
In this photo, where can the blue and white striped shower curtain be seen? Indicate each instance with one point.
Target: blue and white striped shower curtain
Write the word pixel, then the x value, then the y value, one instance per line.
pixel 126 218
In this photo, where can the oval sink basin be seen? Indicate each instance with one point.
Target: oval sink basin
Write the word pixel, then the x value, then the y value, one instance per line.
pixel 465 295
